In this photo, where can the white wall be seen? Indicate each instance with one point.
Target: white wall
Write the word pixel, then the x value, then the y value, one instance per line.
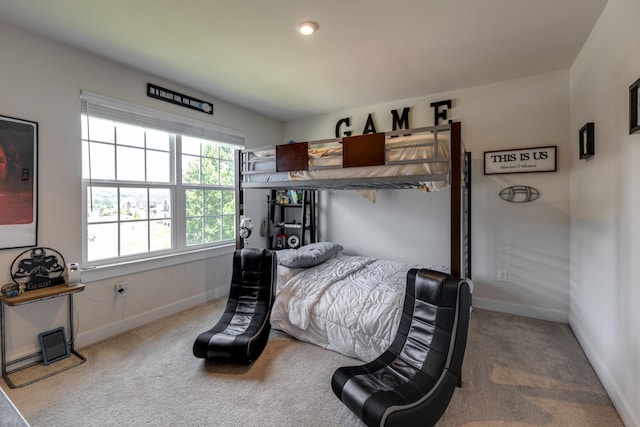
pixel 605 207
pixel 41 81
pixel 530 240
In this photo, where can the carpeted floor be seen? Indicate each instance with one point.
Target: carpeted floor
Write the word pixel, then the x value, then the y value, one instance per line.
pixel 517 372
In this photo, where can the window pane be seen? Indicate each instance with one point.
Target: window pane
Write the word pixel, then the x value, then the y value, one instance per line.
pixel 193 201
pixel 227 152
pixel 103 163
pixel 209 149
pixel 210 171
pixel 160 235
pixel 158 166
pixel 157 140
pixel 212 229
pixel 130 164
pixel 190 170
pixel 228 202
pixel 159 206
pixel 213 202
pixel 228 227
pixel 102 204
pixel 133 204
pixel 102 241
pixel 130 135
pixel 98 130
pixel 226 173
pixel 194 231
pixel 190 146
pixel 84 126
pixel 85 159
pixel 134 237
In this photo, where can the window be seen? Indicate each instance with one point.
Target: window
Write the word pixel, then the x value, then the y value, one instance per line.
pixel 154 184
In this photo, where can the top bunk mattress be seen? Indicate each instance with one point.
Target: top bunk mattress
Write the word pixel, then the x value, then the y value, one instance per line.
pixel 420 160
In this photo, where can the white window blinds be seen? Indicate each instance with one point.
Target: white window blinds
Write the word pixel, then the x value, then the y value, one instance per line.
pixel 108 108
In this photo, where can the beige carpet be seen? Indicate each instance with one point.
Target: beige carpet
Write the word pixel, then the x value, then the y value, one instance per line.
pixel 517 372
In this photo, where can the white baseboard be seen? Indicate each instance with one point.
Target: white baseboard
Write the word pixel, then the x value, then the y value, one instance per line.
pixel 521 310
pixel 625 410
pixel 104 332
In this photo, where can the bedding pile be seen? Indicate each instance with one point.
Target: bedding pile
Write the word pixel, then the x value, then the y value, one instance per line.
pixel 348 304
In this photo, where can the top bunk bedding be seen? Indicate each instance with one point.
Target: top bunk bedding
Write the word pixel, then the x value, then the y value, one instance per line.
pixel 417 158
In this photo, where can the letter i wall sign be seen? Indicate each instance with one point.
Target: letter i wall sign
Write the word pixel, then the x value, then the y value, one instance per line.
pixel 538 159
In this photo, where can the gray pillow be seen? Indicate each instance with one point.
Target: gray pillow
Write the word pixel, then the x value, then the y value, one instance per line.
pixel 309 255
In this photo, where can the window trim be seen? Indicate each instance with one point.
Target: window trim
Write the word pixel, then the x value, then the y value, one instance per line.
pixel 106 271
pixel 125 112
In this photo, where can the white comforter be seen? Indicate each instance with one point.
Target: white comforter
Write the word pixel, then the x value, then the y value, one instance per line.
pixel 348 304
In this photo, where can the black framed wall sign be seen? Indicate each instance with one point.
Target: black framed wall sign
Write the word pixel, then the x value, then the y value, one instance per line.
pixel 634 108
pixel 587 141
pixel 538 159
pixel 18 182
pixel 178 98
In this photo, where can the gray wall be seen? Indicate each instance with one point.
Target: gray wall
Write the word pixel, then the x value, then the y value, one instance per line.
pixel 530 241
pixel 605 207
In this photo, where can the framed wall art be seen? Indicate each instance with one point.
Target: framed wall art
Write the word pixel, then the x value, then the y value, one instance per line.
pixel 522 160
pixel 18 182
pixel 634 108
pixel 587 141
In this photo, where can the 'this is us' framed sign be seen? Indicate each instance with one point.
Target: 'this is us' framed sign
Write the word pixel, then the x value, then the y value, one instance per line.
pixel 536 159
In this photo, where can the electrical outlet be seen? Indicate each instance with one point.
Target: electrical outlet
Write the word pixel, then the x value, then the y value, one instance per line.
pixel 503 275
pixel 121 289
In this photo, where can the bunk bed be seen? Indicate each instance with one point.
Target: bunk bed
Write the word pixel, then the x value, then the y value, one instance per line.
pixel 308 296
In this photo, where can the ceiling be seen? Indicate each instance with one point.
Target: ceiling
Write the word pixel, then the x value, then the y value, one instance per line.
pixel 366 52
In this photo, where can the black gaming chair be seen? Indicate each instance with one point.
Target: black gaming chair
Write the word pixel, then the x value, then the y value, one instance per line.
pixel 243 330
pixel 412 382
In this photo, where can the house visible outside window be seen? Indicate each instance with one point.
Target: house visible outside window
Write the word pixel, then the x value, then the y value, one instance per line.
pixel 154 184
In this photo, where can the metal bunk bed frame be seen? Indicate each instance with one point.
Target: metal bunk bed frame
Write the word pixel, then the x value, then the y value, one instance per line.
pixel 458 177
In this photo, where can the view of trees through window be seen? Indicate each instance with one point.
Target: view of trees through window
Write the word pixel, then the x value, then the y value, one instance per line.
pixel 210 214
pixel 150 191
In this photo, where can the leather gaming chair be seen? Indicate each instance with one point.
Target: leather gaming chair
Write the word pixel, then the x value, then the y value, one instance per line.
pixel 412 382
pixel 243 330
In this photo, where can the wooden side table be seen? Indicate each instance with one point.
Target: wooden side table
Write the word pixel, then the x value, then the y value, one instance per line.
pixel 28 298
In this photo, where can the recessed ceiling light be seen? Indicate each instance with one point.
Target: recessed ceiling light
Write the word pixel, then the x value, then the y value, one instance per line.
pixel 307 28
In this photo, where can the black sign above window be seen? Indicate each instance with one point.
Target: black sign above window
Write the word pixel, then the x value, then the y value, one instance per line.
pixel 173 97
